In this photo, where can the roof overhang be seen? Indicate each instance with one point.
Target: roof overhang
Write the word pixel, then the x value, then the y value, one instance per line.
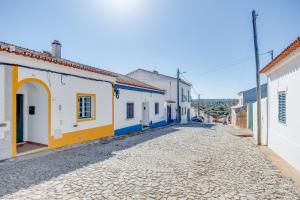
pixel 291 48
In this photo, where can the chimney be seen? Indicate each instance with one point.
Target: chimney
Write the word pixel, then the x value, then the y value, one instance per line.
pixel 56 49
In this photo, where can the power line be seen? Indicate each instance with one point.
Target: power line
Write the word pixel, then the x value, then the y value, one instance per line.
pixel 230 65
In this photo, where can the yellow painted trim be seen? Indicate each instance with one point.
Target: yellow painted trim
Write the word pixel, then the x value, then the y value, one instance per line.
pixel 80 136
pixel 16 86
pixel 113 107
pixel 69 138
pixel 77 107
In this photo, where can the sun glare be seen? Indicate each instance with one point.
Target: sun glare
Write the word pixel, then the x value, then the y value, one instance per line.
pixel 122 7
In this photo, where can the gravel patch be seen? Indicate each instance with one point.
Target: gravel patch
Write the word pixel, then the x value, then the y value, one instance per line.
pixel 179 162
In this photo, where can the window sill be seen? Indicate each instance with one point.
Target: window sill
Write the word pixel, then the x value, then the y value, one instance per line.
pixel 87 119
pixel 282 124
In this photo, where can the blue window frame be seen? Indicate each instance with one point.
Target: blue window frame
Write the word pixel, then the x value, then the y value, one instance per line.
pixel 130 110
pixel 282 107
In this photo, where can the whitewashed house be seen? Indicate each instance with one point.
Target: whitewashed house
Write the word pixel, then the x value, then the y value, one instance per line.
pixel 169 84
pixel 137 106
pixel 48 102
pixel 283 75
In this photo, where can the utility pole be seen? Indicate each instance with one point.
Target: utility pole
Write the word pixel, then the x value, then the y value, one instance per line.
pixel 258 91
pixel 178 106
pixel 198 105
pixel 271 52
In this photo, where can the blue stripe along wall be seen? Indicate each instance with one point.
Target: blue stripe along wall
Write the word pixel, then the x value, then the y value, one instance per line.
pixel 158 124
pixel 126 87
pixel 130 129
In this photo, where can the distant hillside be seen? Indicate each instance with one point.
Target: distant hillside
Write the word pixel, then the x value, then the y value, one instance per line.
pixel 216 101
pixel 215 107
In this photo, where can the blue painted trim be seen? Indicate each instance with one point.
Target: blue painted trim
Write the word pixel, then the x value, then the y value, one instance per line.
pixel 130 129
pixel 158 124
pixel 126 87
pixel 171 121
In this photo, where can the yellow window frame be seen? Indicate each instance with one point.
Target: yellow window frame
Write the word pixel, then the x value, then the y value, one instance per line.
pixel 93 96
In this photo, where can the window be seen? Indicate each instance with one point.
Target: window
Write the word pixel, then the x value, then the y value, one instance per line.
pixel 130 110
pixel 282 107
pixel 86 107
pixel 189 96
pixel 156 108
pixel 182 98
pixel 185 110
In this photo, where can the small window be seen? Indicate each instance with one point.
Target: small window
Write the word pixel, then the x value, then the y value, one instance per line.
pixel 182 95
pixel 156 108
pixel 130 110
pixel 86 107
pixel 282 107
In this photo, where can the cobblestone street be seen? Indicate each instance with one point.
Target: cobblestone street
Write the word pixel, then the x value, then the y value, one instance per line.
pixel 187 162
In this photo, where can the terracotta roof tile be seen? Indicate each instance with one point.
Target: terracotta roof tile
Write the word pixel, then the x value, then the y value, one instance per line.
pixel 291 48
pixel 122 79
pixel 48 58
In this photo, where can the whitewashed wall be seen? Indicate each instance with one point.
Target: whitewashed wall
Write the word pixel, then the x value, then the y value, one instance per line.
pixel 2 95
pixel 5 112
pixel 35 126
pixel 284 139
pixel 169 85
pixel 264 121
pixel 185 105
pixel 64 96
pixel 136 97
pixel 64 89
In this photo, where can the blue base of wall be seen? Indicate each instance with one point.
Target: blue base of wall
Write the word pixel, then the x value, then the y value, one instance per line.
pixel 158 124
pixel 171 121
pixel 129 129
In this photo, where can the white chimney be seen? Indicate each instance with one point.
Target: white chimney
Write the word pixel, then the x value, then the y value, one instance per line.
pixel 56 49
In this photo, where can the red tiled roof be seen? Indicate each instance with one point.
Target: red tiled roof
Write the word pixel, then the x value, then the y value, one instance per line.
pixel 48 58
pixel 121 79
pixel 291 48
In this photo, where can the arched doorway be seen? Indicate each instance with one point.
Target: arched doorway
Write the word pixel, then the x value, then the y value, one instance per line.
pixel 32 116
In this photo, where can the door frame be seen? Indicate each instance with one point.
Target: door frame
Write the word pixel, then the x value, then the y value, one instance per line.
pixel 20 118
pixel 15 87
pixel 144 122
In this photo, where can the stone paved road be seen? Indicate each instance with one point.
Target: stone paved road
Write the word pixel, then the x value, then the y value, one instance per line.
pixel 188 162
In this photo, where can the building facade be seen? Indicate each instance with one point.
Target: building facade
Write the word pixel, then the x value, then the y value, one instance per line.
pixel 138 106
pixel 283 75
pixel 169 84
pixel 48 102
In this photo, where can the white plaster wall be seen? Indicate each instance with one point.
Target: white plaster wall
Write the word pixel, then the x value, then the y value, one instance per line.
pixel 167 84
pixel 264 121
pixel 35 126
pixel 64 94
pixel 21 60
pixel 284 139
pixel 130 96
pixel 2 95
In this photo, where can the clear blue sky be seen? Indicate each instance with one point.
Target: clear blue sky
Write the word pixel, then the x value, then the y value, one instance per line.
pixel 197 36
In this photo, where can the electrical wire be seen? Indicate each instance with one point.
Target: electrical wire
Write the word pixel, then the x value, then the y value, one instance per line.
pixel 230 65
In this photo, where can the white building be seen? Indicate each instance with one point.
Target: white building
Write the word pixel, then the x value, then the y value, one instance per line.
pixel 283 75
pixel 138 106
pixel 169 84
pixel 48 102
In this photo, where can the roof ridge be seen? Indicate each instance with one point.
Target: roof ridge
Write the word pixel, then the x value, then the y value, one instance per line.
pixel 21 51
pixel 287 51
